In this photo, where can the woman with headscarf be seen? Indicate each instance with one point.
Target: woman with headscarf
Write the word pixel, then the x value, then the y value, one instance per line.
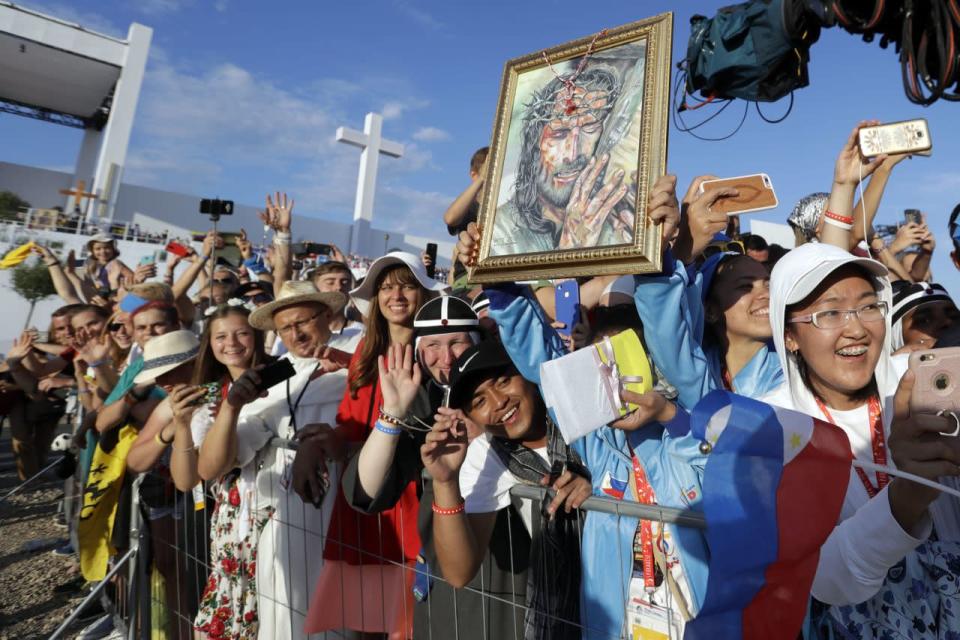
pixel 893 561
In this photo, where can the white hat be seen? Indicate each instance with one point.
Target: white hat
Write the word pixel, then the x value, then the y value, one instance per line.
pixel 810 265
pixel 364 293
pixel 294 292
pixel 166 353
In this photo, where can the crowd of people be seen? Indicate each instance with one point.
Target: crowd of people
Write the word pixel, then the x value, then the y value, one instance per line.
pixel 322 454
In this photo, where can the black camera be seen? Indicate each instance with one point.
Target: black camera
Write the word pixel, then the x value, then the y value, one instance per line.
pixel 216 207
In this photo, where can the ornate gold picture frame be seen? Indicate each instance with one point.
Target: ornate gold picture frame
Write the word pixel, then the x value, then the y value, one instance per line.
pixel 579 139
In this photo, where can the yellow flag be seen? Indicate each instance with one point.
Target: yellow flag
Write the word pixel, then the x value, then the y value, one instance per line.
pixel 16 256
pixel 100 498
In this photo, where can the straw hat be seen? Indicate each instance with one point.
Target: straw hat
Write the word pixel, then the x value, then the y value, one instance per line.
pixel 364 293
pixel 166 353
pixel 295 292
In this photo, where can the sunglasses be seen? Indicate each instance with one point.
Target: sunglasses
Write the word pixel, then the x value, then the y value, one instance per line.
pixel 260 298
pixel 114 326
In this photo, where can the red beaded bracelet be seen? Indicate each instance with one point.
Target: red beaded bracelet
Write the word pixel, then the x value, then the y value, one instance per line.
pixel 440 511
pixel 838 217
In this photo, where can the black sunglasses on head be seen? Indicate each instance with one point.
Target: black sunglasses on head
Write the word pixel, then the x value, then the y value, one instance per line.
pixel 260 298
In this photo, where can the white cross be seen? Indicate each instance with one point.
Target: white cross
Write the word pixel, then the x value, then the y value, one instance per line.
pixel 372 143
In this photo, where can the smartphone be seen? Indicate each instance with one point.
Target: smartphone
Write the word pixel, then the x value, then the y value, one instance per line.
pixel 178 249
pixel 913 215
pixel 432 252
pixel 273 374
pixel 937 381
pixel 907 136
pixel 145 260
pixel 755 194
pixel 161 256
pixel 567 305
pixel 211 393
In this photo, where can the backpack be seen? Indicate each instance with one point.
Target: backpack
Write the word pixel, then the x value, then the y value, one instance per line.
pixel 756 51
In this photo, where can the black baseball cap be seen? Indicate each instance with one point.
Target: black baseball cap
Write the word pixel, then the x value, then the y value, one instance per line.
pixel 256 285
pixel 475 365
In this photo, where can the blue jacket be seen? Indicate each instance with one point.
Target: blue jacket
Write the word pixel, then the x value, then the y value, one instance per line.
pixel 673 466
pixel 671 309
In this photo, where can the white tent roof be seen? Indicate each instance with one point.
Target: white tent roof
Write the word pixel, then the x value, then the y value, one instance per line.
pixel 58 66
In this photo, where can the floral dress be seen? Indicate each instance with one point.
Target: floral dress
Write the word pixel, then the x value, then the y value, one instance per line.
pixel 228 606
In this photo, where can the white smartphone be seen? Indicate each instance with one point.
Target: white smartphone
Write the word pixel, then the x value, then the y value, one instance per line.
pixel 907 136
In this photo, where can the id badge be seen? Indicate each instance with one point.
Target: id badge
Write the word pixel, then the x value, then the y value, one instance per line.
pixel 286 474
pixel 649 621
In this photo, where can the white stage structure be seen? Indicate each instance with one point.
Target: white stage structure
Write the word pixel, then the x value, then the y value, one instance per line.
pixel 63 73
pixel 372 143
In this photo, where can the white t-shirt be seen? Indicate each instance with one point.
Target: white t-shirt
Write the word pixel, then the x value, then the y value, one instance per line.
pixel 485 482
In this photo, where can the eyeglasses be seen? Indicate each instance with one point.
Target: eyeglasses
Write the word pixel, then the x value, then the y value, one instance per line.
pixel 114 326
pixel 837 318
pixel 300 324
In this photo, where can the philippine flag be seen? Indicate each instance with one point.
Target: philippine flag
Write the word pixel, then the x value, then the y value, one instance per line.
pixel 773 486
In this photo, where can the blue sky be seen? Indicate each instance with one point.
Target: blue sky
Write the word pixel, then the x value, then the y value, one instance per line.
pixel 242 98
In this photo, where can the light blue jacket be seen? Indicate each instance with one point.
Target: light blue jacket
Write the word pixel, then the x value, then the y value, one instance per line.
pixel 671 309
pixel 673 466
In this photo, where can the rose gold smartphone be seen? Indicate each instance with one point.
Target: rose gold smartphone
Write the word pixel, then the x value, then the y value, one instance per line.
pixel 908 136
pixel 937 384
pixel 755 194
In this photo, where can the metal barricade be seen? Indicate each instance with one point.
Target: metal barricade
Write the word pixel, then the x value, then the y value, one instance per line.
pixel 298 556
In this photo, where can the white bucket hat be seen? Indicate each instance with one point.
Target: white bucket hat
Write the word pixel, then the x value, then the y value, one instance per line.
pixel 166 353
pixel 364 293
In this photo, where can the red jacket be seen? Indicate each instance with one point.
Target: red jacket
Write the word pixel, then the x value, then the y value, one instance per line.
pixel 356 538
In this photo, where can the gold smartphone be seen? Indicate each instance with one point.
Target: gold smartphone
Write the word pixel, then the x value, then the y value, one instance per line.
pixel 907 136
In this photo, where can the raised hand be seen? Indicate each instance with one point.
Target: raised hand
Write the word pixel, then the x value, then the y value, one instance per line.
pixel 400 379
pixel 698 222
pixel 663 208
pixel 909 235
pixel 144 272
pixel 243 245
pixel 468 245
pixel 210 242
pixel 21 347
pixel 445 447
pixel 278 213
pixel 586 214
pixel 96 349
pixel 336 255
pixel 851 166
pixel 45 254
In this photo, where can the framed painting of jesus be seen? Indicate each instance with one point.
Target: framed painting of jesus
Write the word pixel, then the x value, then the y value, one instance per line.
pixel 579 138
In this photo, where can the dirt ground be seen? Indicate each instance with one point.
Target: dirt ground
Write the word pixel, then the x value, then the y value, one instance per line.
pixel 38 589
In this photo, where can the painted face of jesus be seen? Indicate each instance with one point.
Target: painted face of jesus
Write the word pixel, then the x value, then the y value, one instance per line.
pixel 568 142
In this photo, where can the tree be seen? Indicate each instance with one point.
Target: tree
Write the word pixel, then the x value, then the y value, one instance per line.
pixel 33 282
pixel 10 204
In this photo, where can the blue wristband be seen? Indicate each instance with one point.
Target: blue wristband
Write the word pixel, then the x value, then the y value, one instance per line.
pixel 390 431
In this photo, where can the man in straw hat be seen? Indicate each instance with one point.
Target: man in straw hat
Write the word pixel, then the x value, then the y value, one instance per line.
pixel 302 408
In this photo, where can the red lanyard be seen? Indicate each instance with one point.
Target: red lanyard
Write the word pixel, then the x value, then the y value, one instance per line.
pixel 728 380
pixel 645 496
pixel 876 439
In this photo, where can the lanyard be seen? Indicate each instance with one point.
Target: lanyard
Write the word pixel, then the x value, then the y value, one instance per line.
pixel 293 406
pixel 877 441
pixel 645 496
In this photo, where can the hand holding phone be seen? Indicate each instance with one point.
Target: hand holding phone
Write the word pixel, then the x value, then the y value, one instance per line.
pixel 914 216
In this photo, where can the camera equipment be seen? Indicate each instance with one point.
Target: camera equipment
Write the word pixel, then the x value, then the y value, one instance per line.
pixel 216 207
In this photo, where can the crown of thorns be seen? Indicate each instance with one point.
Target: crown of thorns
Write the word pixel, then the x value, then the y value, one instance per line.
pixel 540 108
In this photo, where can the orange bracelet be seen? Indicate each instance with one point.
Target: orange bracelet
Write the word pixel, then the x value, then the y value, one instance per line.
pixel 440 511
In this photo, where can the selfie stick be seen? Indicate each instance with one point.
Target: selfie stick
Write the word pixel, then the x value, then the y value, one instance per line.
pixel 214 217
